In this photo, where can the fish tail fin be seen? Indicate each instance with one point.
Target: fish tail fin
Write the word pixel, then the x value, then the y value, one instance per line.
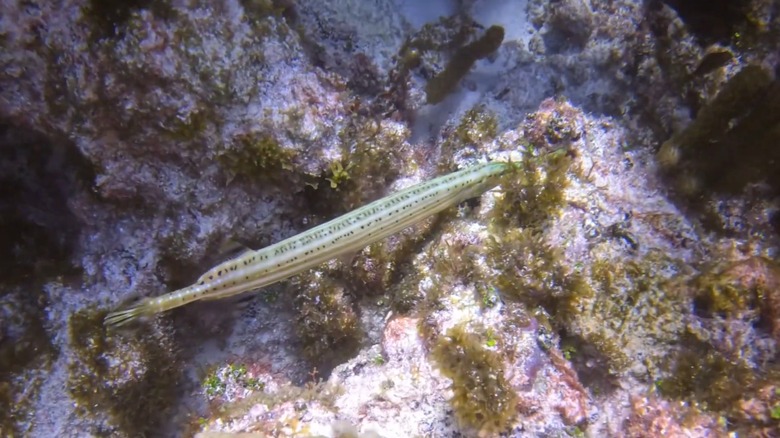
pixel 130 313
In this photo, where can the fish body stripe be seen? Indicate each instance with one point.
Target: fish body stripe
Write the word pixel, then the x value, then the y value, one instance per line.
pixel 347 233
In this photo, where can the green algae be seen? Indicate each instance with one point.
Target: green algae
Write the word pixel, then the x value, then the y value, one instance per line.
pixel 378 360
pixel 483 398
pixel 215 382
pixel 775 412
pixel 314 391
pixel 339 174
pixel 213 385
pixel 130 379
pixel 575 432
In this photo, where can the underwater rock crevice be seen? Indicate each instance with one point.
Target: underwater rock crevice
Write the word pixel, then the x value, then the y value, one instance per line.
pixel 38 178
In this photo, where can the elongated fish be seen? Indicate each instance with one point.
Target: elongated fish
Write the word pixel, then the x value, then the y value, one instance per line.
pixel 345 234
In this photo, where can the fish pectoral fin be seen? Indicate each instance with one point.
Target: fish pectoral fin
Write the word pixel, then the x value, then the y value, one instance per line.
pixel 348 258
pixel 232 249
pixel 229 250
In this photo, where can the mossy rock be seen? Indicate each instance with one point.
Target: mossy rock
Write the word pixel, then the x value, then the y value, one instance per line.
pixel 131 379
pixel 24 346
pixel 744 395
pixel 731 142
pixel 747 290
pixel 107 18
pixel 477 127
pixel 327 323
pixel 617 307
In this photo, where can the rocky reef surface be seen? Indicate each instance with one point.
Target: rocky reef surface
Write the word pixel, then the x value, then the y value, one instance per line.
pixel 624 281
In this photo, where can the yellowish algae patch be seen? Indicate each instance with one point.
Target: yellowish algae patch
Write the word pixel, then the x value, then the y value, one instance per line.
pixel 483 398
pixel 258 156
pixel 534 194
pixel 339 174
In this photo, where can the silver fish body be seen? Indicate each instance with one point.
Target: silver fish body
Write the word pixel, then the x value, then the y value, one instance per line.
pixel 345 234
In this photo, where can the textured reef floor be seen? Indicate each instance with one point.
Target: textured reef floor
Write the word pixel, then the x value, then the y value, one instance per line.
pixel 623 281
